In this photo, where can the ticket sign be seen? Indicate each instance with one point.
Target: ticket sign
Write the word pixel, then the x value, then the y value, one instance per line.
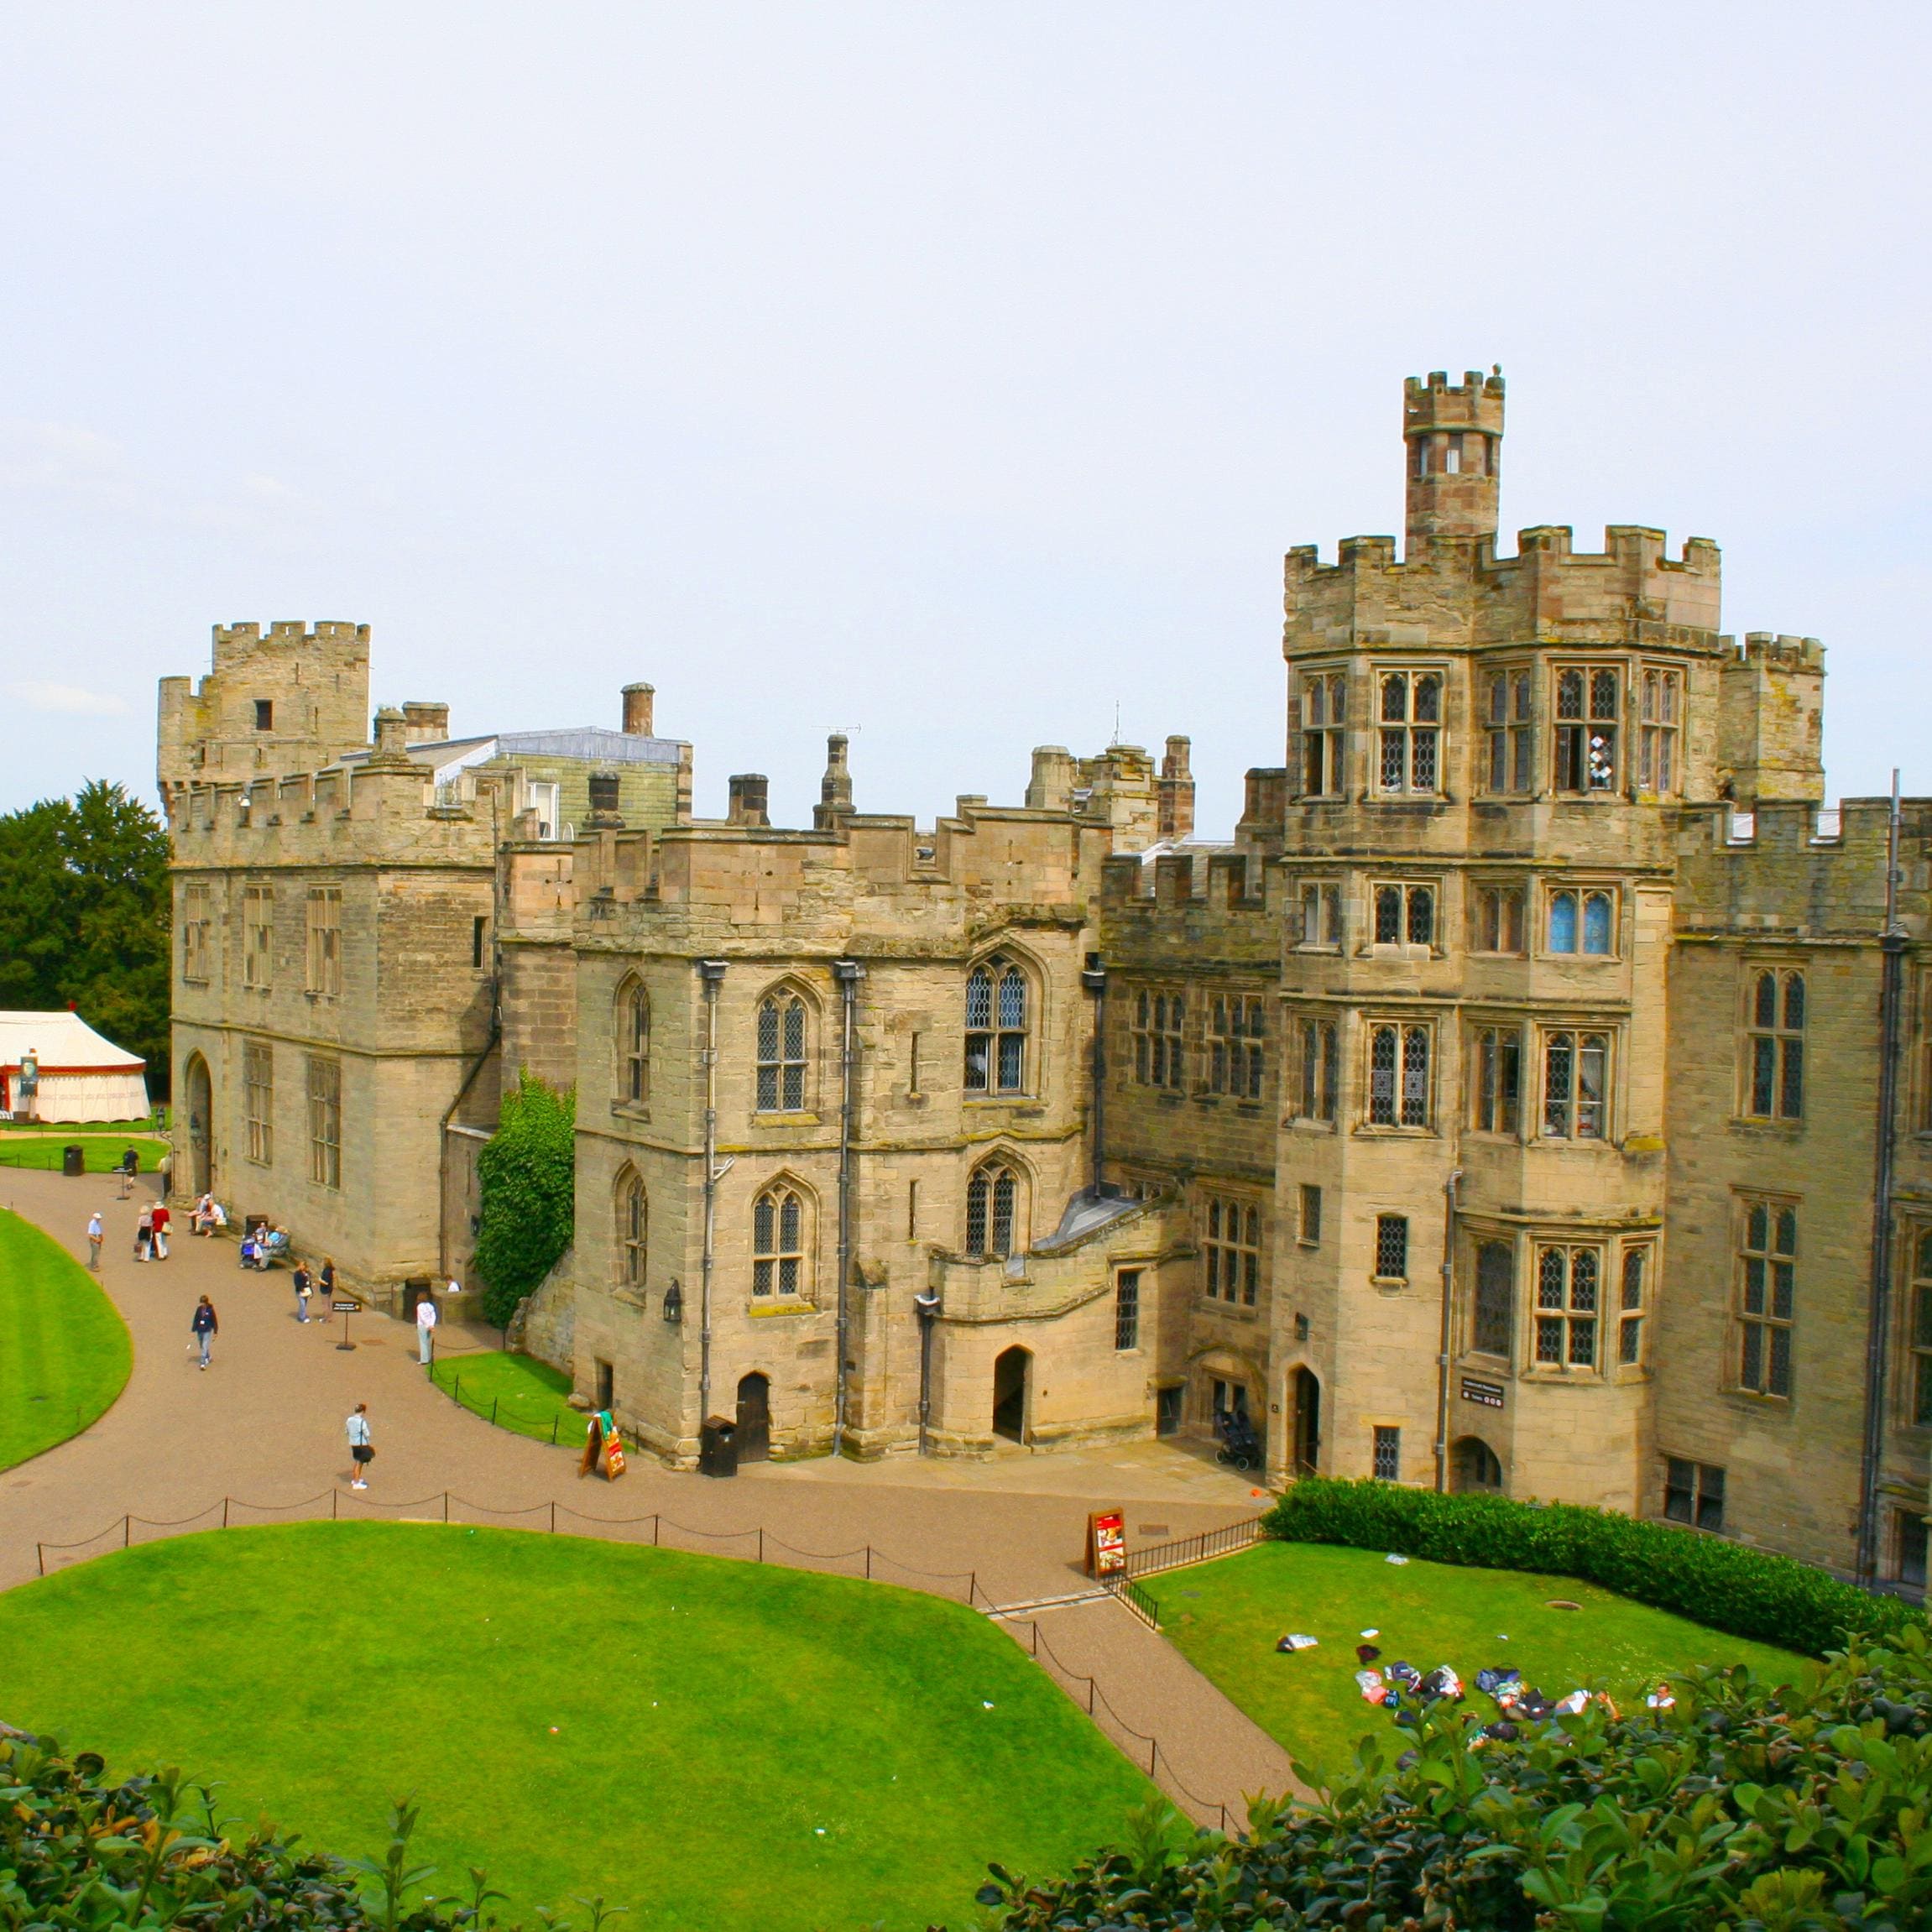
pixel 1106 1543
pixel 345 1305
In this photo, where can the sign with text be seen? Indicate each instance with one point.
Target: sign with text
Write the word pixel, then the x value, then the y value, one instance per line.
pixel 603 1449
pixel 1107 1543
pixel 345 1305
pixel 1484 1395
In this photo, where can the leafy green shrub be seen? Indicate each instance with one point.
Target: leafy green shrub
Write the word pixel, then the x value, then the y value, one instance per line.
pixel 526 1177
pixel 1726 1585
pixel 1748 1807
pixel 79 1852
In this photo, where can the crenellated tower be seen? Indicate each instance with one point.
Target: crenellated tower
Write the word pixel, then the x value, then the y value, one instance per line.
pixel 1453 432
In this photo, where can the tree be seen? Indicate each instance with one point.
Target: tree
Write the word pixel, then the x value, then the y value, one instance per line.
pixel 526 1178
pixel 84 917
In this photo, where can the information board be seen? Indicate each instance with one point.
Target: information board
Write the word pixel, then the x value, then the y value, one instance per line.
pixel 1106 1543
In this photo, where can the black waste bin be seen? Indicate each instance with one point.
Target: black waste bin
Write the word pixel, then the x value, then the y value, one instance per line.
pixel 717 1448
pixel 73 1160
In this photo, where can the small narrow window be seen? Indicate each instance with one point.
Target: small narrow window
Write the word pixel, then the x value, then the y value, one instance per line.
pixel 1321 1059
pixel 1499 1080
pixel 1311 1220
pixel 912 1067
pixel 1321 914
pixel 1415 1076
pixel 1563 922
pixel 1127 1310
pixel 1630 1320
pixel 1391 1247
pixel 479 926
pixel 1921 1319
pixel 1387 1454
pixel 1775 1046
pixel 632 1231
pixel 264 714
pixel 911 1211
pixel 1768 1293
pixel 1495 1298
pixel 1596 922
pixel 1324 710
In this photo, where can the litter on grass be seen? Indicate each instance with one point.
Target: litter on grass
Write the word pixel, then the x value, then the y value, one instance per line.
pixel 1295 1640
pixel 1371 1633
pixel 1392 1558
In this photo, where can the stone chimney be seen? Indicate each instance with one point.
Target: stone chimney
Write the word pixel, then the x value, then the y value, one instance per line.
pixel 835 788
pixel 1175 802
pixel 749 790
pixel 1055 773
pixel 426 724
pixel 392 739
pixel 637 709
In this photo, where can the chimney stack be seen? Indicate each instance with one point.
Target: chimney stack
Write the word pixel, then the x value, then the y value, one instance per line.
pixel 426 724
pixel 391 730
pixel 637 709
pixel 835 788
pixel 749 790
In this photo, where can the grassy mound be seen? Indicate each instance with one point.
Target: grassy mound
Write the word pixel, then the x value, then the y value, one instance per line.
pixel 1227 1615
pixel 64 1354
pixel 710 1742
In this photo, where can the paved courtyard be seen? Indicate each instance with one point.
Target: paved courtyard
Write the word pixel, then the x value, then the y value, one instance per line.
pixel 264 1425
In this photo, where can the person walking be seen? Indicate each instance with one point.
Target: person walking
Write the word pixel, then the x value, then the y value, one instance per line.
pixel 427 1330
pixel 159 1221
pixel 362 1450
pixel 130 1163
pixel 205 1326
pixel 304 1289
pixel 96 1235
pixel 144 1234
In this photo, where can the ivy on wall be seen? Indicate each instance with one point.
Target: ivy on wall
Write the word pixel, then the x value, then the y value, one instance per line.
pixel 526 1178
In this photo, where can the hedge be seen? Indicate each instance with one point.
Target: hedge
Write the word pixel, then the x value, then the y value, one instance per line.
pixel 1746 1807
pixel 1726 1585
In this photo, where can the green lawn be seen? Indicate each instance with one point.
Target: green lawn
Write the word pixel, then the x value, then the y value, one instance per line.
pixel 1227 1615
pixel 514 1391
pixel 103 1151
pixel 64 1350
pixel 711 1742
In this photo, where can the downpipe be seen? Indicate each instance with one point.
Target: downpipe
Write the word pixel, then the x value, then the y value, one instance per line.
pixel 712 972
pixel 1451 1207
pixel 848 973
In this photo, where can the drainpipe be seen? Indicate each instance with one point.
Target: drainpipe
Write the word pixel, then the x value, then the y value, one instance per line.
pixel 848 973
pixel 712 972
pixel 1447 1342
pixel 927 1306
pixel 1093 977
pixel 1893 942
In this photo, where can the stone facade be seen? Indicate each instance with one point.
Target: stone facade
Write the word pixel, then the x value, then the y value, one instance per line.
pixel 1504 1106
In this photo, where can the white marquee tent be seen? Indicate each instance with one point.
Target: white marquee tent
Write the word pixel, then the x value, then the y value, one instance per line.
pixel 81 1075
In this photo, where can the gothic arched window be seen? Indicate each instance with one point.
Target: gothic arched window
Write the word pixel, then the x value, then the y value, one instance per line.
pixel 996 1002
pixel 634 1043
pixel 993 1204
pixel 781 1053
pixel 632 1230
pixel 778 1250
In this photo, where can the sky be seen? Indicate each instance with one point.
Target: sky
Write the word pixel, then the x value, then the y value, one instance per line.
pixel 954 375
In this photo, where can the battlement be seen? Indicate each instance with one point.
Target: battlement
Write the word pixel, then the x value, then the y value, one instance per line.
pixel 1452 434
pixel 1464 595
pixel 1783 653
pixel 235 643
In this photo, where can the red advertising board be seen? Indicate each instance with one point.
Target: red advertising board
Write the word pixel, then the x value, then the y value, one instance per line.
pixel 1106 1543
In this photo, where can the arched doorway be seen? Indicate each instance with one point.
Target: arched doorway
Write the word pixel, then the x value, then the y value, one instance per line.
pixel 200 1112
pixel 754 1416
pixel 1474 1466
pixel 1011 1373
pixel 1308 1399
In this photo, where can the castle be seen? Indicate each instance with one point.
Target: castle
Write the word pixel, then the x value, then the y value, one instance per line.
pixel 1534 1095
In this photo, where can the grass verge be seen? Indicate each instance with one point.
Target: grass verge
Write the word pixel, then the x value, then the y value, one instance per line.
pixel 1225 1617
pixel 513 1391
pixel 710 1742
pixel 64 1354
pixel 43 1150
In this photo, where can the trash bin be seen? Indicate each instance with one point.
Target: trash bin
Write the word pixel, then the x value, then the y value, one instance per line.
pixel 73 1160
pixel 717 1448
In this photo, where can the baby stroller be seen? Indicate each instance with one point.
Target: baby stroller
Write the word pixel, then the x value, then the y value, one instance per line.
pixel 1240 1448
pixel 262 1248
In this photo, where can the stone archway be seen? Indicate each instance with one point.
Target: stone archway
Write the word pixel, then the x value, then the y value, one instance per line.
pixel 197 1114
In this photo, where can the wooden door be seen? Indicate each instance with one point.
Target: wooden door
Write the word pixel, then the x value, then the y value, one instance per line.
pixel 754 1418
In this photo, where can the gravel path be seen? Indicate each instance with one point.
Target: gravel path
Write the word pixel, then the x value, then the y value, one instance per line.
pixel 264 1425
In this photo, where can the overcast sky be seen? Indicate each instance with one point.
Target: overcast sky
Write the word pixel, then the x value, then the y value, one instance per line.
pixel 946 374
